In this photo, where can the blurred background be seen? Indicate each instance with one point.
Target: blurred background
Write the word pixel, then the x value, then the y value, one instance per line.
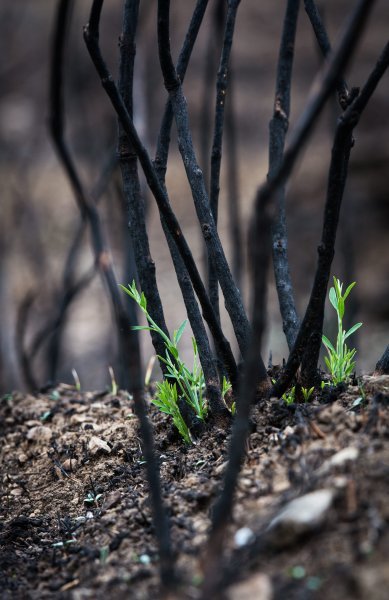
pixel 39 216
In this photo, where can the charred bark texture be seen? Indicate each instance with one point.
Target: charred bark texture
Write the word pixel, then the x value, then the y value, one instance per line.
pixel 278 128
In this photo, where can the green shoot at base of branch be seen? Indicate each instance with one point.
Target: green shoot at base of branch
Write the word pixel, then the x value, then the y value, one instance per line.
pixel 340 360
pixel 188 384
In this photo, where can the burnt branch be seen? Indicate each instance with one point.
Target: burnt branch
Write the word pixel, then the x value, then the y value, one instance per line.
pixel 86 206
pixel 24 357
pixel 71 287
pixel 231 293
pixel 278 128
pixel 234 221
pixel 91 36
pixel 131 187
pixel 325 48
pixel 216 153
pixel 382 366
pixel 52 331
pixel 322 88
pixel 252 388
pixel 218 407
pixel 308 341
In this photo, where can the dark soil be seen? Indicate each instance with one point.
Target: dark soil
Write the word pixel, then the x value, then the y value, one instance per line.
pixel 75 518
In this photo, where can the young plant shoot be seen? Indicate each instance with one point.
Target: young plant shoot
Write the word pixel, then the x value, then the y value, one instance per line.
pixel 189 384
pixel 340 360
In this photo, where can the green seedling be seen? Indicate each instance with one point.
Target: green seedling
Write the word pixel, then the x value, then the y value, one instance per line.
pixel 92 498
pixel 307 393
pixel 166 401
pixel 190 384
pixel 289 396
pixel 77 381
pixel 340 360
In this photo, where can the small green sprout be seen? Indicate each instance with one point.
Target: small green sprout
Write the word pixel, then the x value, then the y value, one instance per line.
pixel 289 396
pixel 77 381
pixel 92 498
pixel 340 360
pixel 307 393
pixel 166 401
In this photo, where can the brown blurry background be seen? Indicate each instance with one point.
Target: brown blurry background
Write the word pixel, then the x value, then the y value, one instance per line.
pixel 39 215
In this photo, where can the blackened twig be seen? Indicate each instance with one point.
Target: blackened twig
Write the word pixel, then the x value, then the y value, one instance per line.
pixel 71 287
pixel 91 36
pixel 325 47
pixel 234 215
pixel 86 206
pixel 382 366
pixel 54 326
pixel 24 357
pixel 278 128
pixel 160 518
pixel 321 90
pixel 131 187
pixel 217 406
pixel 210 62
pixel 231 293
pixel 161 523
pixel 310 333
pixel 249 392
pixel 216 153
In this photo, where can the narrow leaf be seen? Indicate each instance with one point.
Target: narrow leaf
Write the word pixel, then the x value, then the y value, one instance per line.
pixel 350 287
pixel 328 344
pixel 352 329
pixel 142 328
pixel 180 331
pixel 333 298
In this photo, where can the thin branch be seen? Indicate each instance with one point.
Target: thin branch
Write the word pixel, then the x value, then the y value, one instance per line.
pixel 309 338
pixel 218 408
pixel 252 388
pixel 322 88
pixel 232 185
pixel 131 187
pixel 71 288
pixel 216 153
pixel 278 128
pixel 24 358
pixel 86 206
pixel 91 36
pixel 231 293
pixel 161 524
pixel 325 47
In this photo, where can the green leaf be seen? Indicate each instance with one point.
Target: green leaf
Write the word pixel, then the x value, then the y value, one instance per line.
pixel 142 328
pixel 333 298
pixel 327 361
pixel 143 302
pixel 341 307
pixel 177 334
pixel 338 287
pixel 350 287
pixel 125 289
pixel 328 344
pixel 352 329
pixel 173 351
